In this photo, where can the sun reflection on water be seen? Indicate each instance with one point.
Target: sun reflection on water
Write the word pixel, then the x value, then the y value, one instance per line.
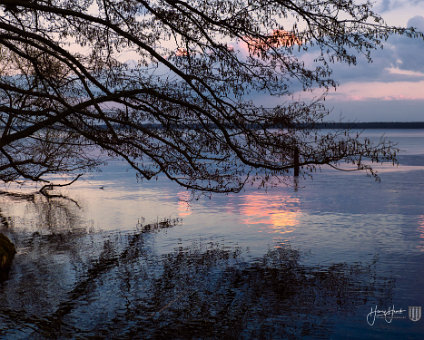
pixel 271 212
pixel 184 208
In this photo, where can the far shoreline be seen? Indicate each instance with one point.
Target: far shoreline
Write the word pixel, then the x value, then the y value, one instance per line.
pixel 367 125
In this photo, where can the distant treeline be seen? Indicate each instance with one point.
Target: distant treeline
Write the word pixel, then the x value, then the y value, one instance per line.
pixel 368 125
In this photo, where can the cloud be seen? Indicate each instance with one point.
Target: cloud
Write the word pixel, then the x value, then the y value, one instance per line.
pixel 390 5
pixel 408 54
pixel 391 88
pixel 396 74
pixel 407 73
pixel 417 22
pixel 401 60
pixel 384 6
pixel 399 90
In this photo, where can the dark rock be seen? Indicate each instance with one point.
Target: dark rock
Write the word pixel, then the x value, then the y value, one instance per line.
pixel 7 252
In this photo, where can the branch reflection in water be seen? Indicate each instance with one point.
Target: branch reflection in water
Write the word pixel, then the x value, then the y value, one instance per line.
pixel 70 281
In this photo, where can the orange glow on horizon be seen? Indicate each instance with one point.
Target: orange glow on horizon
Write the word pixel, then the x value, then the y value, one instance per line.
pixel 278 38
pixel 181 52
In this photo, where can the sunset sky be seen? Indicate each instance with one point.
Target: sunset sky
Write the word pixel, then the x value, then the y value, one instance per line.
pixel 392 87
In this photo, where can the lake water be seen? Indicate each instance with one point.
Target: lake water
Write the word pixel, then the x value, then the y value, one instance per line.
pixel 118 258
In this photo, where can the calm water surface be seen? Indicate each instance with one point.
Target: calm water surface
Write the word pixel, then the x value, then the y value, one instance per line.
pixel 116 258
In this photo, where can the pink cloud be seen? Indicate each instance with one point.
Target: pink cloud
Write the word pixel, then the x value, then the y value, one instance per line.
pixel 360 91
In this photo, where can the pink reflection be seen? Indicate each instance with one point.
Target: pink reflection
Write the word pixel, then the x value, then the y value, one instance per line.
pixel 275 213
pixel 184 208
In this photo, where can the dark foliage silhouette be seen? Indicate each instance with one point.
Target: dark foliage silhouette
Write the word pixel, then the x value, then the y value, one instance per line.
pixel 183 107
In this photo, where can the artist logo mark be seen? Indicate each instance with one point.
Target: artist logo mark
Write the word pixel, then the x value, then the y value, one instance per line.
pixel 414 313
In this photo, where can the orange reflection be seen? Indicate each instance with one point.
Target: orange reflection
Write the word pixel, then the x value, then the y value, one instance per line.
pixel 184 208
pixel 278 213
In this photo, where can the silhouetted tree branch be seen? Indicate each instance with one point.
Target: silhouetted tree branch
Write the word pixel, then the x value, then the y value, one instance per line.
pixel 50 186
pixel 183 106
